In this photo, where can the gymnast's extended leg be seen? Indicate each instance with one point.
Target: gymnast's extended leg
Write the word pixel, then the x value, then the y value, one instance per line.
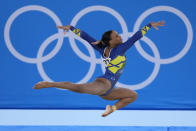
pixel 98 87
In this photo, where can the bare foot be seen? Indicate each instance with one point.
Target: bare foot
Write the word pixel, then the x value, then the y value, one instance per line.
pixel 108 110
pixel 43 84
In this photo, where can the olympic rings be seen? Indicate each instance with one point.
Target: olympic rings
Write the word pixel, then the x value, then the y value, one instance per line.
pixel 92 59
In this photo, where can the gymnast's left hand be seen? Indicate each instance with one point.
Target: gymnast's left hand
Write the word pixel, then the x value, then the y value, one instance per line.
pixel 155 24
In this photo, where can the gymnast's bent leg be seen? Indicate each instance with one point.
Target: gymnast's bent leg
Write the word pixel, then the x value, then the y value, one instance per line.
pixel 123 95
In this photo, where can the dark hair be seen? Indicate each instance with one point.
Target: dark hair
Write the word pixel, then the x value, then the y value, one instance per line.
pixel 106 37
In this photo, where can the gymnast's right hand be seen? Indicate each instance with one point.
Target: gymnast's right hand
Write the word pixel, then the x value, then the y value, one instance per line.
pixel 65 28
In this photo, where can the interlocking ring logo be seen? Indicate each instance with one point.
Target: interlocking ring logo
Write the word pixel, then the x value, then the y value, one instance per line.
pixel 92 59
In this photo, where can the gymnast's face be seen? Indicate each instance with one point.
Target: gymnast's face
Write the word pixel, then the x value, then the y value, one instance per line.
pixel 115 39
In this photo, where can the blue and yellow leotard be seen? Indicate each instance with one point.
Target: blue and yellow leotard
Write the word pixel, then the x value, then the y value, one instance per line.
pixel 116 60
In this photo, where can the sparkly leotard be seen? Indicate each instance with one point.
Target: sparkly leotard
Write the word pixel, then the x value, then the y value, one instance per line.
pixel 116 60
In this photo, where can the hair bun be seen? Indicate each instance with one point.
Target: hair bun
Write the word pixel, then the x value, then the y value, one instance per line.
pixel 103 43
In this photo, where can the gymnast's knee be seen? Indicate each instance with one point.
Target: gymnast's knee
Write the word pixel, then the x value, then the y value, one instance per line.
pixel 134 95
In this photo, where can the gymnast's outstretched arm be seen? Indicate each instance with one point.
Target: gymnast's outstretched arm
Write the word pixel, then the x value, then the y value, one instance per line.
pixel 81 34
pixel 138 35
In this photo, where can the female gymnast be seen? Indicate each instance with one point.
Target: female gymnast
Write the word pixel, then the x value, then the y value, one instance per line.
pixel 112 50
